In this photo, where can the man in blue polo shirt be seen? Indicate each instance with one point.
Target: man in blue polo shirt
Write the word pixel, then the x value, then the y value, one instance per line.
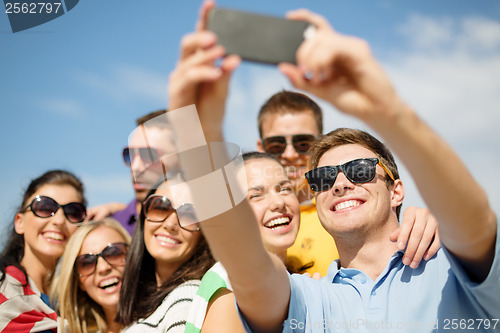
pixel 357 190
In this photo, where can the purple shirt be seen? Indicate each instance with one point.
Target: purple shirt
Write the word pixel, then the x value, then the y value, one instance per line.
pixel 128 216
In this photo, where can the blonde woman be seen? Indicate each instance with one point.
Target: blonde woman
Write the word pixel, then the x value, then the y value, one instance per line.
pixel 86 290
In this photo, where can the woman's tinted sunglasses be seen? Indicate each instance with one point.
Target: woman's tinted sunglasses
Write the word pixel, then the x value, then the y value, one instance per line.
pixel 158 208
pixel 43 206
pixel 361 170
pixel 114 254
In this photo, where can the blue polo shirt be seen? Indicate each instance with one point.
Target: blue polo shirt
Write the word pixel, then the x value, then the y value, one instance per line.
pixel 438 296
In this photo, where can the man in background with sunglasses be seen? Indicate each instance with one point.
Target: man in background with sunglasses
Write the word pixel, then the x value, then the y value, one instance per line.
pixel 289 122
pixel 147 156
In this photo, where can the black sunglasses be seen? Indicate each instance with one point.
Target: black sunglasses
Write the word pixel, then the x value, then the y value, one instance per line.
pixel 276 145
pixel 157 208
pixel 361 170
pixel 44 207
pixel 114 254
pixel 148 155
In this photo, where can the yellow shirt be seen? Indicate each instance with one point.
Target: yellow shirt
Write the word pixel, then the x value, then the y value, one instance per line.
pixel 313 243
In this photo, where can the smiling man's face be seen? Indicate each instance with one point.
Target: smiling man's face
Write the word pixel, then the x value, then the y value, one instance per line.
pixel 288 124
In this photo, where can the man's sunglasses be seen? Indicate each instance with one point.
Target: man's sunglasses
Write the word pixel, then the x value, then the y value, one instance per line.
pixel 361 170
pixel 114 254
pixel 148 155
pixel 276 145
pixel 158 208
pixel 44 207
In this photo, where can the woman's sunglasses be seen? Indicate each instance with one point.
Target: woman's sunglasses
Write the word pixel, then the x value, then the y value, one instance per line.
pixel 114 254
pixel 44 207
pixel 157 208
pixel 276 145
pixel 148 155
pixel 361 170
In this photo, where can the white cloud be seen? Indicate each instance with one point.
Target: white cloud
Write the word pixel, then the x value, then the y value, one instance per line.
pixel 472 35
pixel 427 33
pixel 481 33
pixel 451 77
pixel 457 88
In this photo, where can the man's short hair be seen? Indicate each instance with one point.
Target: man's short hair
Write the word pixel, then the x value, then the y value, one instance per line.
pixel 153 119
pixel 290 101
pixel 345 136
pixel 157 119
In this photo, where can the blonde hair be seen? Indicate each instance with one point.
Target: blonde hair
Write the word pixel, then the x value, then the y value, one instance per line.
pixel 80 311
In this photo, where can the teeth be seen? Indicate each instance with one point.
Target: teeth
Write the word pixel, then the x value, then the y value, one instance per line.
pixel 108 282
pixel 167 240
pixel 277 222
pixel 347 204
pixel 54 235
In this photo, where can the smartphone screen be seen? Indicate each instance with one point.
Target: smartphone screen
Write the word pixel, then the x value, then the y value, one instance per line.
pixel 255 37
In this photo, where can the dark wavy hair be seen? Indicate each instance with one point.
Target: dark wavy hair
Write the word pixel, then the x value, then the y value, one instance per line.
pixel 140 295
pixel 13 252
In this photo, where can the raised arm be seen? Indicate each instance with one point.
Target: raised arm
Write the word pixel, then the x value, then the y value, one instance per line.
pixel 345 73
pixel 196 80
pixel 259 280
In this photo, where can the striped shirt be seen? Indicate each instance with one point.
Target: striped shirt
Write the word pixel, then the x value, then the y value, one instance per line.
pixel 214 279
pixel 171 315
pixel 22 308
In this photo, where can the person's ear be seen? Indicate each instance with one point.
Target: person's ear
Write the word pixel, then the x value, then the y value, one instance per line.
pixel 19 223
pixel 81 285
pixel 398 193
pixel 260 147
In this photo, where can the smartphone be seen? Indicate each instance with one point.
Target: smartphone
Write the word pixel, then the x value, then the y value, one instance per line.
pixel 256 37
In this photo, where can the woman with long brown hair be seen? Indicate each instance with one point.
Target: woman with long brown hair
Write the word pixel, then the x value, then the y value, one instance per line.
pixel 166 261
pixel 52 208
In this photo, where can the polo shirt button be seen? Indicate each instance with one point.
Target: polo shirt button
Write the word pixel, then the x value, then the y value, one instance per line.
pixel 374 293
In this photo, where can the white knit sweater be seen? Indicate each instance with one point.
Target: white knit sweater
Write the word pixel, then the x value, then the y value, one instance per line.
pixel 171 315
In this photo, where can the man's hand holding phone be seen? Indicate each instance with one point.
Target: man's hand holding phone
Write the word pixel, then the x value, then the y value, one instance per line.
pixel 341 70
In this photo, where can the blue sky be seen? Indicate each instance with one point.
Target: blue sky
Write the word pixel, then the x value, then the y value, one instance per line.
pixel 72 88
